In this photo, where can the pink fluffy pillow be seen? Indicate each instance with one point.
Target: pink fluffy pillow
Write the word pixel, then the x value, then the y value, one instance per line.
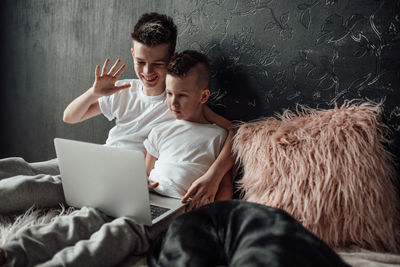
pixel 327 168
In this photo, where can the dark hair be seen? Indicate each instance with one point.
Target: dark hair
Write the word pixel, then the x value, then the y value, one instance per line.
pixel 181 65
pixel 153 29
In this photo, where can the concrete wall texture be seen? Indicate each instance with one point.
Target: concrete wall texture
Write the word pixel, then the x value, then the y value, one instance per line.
pixel 267 55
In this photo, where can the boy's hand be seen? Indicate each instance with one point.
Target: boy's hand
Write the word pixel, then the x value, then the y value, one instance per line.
pixel 104 83
pixel 201 192
pixel 150 184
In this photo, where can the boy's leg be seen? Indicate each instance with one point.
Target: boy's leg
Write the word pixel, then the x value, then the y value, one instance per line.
pixel 39 243
pixel 107 247
pixel 18 166
pixel 19 193
pixel 46 167
pixel 111 244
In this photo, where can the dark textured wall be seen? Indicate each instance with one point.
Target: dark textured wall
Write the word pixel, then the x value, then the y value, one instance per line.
pixel 267 56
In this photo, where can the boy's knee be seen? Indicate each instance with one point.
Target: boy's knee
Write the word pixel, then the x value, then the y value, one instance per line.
pixel 10 167
pixel 13 163
pixel 12 159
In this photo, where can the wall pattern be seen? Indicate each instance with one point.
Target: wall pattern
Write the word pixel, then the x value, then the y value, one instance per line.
pixel 267 55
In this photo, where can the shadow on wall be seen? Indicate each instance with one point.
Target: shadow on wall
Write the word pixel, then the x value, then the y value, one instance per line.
pixel 242 95
pixel 235 87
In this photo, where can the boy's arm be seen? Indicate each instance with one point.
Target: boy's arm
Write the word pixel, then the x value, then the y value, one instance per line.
pixel 83 107
pixel 150 161
pixel 86 105
pixel 225 190
pixel 204 189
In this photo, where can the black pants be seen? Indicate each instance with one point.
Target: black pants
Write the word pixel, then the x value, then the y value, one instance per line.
pixel 239 233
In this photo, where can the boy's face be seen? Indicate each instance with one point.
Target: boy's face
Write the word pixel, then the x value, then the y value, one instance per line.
pixel 151 65
pixel 185 98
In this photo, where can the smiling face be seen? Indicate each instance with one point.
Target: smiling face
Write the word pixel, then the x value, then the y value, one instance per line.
pixel 151 66
pixel 185 98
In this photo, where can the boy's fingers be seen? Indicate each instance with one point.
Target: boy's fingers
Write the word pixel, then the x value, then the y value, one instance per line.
pixel 208 198
pixel 190 193
pixel 105 66
pixel 97 71
pixel 151 184
pixel 154 185
pixel 186 197
pixel 120 71
pixel 204 201
pixel 189 201
pixel 189 206
pixel 114 67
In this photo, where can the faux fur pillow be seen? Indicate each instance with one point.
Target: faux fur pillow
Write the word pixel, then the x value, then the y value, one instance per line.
pixel 329 169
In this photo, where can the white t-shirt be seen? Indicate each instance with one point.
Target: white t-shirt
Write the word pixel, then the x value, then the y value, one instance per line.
pixel 184 151
pixel 135 115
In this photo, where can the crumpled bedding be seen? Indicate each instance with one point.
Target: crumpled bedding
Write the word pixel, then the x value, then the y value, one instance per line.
pixel 355 257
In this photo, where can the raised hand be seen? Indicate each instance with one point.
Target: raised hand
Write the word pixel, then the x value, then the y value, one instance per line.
pixel 104 83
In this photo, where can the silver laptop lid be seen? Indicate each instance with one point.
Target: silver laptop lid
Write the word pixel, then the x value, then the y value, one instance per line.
pixel 112 180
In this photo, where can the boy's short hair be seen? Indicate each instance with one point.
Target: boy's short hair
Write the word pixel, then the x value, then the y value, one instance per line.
pixel 185 61
pixel 153 29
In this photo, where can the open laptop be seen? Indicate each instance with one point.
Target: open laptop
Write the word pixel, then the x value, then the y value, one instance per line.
pixel 110 179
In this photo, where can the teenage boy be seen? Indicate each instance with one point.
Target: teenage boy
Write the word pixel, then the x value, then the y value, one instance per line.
pixel 177 152
pixel 137 106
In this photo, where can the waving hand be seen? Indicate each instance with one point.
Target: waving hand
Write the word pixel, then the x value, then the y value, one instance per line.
pixel 104 83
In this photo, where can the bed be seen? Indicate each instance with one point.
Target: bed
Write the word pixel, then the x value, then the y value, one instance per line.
pixel 328 169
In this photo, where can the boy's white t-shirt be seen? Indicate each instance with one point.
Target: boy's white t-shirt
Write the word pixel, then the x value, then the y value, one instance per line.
pixel 135 115
pixel 184 151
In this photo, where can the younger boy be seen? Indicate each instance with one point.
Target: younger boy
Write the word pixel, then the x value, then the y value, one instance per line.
pixel 177 153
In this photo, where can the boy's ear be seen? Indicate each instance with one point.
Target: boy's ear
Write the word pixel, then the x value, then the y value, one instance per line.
pixel 205 94
pixel 132 52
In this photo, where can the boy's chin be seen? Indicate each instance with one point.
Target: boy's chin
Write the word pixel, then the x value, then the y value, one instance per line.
pixel 149 85
pixel 180 118
pixel 177 115
pixel 152 85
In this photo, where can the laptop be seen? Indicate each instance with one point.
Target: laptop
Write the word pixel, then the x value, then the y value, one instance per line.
pixel 113 180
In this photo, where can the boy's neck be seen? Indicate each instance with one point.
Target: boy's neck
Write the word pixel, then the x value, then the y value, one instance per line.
pixel 199 121
pixel 199 118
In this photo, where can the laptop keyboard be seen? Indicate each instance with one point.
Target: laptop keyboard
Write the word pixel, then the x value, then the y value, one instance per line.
pixel 157 211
